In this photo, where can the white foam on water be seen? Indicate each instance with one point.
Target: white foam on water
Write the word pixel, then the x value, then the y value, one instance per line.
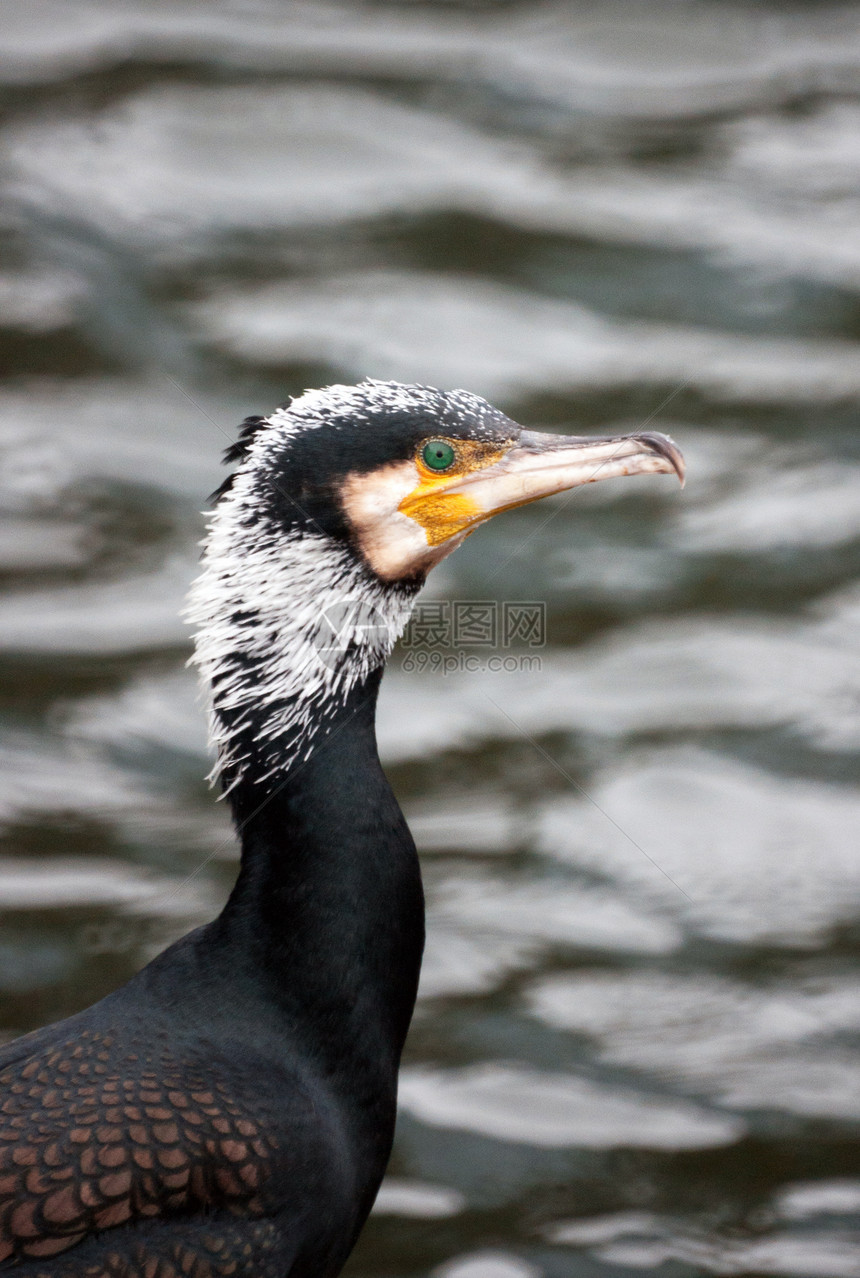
pixel 131 614
pixel 417 1200
pixel 460 962
pixel 482 824
pixel 604 61
pixel 773 507
pixel 61 777
pixel 32 545
pixel 688 675
pixel 815 155
pixel 640 1240
pixel 502 340
pixel 486 1264
pixel 549 912
pixel 37 776
pixel 483 926
pixel 55 432
pixel 558 1111
pixel 831 1255
pixel 591 1230
pixel 161 712
pixel 779 1046
pixel 171 167
pixel 818 1198
pixel 72 882
pixel 40 299
pixel 743 856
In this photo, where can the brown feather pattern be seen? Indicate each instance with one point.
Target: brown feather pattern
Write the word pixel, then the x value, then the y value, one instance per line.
pixel 92 1138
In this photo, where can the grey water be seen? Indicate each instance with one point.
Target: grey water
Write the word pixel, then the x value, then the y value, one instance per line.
pixel 636 1046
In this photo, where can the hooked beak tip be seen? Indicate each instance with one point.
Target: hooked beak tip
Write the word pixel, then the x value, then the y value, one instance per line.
pixel 665 447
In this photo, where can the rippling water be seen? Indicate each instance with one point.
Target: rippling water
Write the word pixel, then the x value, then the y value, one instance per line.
pixel 636 1046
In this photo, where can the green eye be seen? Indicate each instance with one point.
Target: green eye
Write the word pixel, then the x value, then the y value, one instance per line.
pixel 437 454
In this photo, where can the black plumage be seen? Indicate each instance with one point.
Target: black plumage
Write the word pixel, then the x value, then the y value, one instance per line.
pixel 232 1107
pixel 230 1111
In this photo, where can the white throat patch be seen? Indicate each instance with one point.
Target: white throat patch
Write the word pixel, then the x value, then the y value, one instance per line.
pixel 286 625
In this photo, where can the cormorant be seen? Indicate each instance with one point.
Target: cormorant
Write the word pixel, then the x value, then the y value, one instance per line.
pixel 230 1110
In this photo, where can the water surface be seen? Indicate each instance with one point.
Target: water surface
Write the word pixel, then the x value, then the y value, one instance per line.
pixel 636 1045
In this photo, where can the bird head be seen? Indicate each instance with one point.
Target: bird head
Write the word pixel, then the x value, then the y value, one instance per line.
pixel 403 474
pixel 353 493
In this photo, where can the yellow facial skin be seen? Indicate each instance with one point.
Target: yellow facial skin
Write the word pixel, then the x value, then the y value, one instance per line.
pixel 441 513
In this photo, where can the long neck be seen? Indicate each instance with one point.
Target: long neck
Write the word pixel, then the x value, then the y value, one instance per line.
pixel 328 906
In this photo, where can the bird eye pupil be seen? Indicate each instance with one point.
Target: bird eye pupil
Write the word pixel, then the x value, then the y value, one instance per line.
pixel 438 454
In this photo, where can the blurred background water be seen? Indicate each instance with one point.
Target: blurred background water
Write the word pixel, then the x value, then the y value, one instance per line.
pixel 636 1045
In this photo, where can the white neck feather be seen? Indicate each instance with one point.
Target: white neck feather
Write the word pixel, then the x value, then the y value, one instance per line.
pixel 287 625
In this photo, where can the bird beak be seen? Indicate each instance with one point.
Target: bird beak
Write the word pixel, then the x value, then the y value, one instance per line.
pixel 540 465
pixel 442 509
